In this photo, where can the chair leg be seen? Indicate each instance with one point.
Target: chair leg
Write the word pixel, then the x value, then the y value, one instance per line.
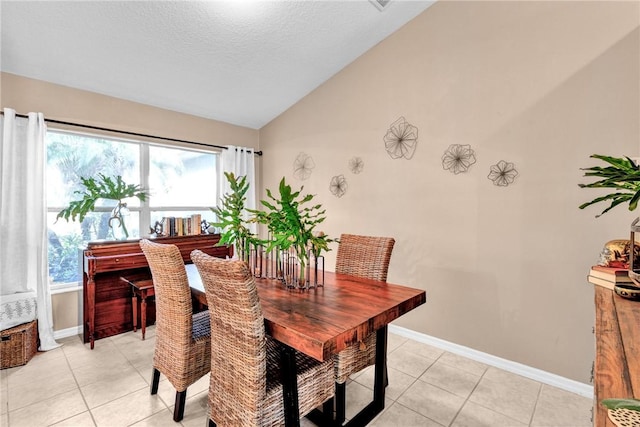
pixel 327 408
pixel 341 402
pixel 178 410
pixel 155 379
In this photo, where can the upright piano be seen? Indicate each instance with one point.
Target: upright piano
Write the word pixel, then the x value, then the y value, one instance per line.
pixel 107 307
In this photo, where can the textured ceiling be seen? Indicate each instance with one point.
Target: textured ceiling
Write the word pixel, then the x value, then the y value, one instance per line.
pixel 243 62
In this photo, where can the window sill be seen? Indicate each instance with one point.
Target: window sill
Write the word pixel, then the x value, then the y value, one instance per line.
pixel 63 288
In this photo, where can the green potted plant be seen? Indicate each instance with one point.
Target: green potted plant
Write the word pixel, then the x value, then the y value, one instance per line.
pixel 230 217
pixel 104 187
pixel 291 221
pixel 621 174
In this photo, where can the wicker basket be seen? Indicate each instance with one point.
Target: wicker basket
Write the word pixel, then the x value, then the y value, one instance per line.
pixel 19 344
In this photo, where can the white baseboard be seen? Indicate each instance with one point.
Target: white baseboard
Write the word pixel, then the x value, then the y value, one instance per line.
pixel 69 332
pixel 544 377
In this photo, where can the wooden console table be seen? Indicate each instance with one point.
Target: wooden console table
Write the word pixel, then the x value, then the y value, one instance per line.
pixel 617 364
pixel 107 306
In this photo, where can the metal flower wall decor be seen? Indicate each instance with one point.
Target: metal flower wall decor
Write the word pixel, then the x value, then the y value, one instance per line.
pixel 458 158
pixel 401 139
pixel 356 165
pixel 502 173
pixel 338 185
pixel 303 166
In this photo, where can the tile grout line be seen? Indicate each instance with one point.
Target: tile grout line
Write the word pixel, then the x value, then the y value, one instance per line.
pixel 468 397
pixel 86 404
pixel 535 406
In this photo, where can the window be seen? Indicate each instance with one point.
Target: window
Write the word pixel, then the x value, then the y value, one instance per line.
pixel 182 182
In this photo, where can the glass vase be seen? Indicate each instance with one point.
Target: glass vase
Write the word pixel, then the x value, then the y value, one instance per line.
pixel 117 221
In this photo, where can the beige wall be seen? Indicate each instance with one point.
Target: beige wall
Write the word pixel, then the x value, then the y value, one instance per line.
pixel 73 105
pixel 79 106
pixel 67 310
pixel 540 84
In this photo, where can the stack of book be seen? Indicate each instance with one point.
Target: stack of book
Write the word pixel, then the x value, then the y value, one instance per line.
pixel 608 276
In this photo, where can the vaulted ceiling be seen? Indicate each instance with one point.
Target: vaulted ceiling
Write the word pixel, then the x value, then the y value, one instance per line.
pixel 241 61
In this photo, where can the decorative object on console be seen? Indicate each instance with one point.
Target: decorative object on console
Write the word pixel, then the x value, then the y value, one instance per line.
pixel 502 173
pixel 458 158
pixel 615 254
pixel 627 290
pixel 104 188
pixel 401 139
pixel 623 412
pixel 338 185
pixel 303 166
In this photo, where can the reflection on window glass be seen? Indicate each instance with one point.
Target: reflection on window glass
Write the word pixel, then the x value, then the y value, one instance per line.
pixel 71 156
pixel 182 178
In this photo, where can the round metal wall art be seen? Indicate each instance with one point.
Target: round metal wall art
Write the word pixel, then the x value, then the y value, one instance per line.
pixel 338 185
pixel 356 165
pixel 458 158
pixel 502 173
pixel 401 139
pixel 303 166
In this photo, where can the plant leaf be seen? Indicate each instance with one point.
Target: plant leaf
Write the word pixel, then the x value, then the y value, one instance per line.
pixel 633 404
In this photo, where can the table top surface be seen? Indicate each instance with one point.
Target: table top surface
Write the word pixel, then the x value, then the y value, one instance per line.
pixel 322 321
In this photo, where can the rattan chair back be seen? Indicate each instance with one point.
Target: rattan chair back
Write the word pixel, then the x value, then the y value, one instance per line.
pixel 238 340
pixel 367 257
pixel 364 256
pixel 173 296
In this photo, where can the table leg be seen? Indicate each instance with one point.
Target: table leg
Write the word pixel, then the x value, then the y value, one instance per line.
pixel 289 385
pixel 134 305
pixel 379 383
pixel 143 313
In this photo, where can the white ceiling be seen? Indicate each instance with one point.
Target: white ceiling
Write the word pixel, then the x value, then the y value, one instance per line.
pixel 243 62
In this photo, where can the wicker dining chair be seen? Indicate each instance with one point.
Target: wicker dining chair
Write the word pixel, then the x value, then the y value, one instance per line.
pixel 246 387
pixel 183 339
pixel 367 257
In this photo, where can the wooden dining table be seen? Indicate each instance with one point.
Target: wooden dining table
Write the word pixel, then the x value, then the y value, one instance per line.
pixel 322 321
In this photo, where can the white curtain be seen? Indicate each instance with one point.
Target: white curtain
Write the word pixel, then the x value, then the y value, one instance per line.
pixel 23 215
pixel 240 161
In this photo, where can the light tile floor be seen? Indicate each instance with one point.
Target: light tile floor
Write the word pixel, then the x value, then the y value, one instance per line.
pixel 109 386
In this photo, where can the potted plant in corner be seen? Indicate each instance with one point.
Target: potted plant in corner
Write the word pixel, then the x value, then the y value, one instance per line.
pixel 623 175
pixel 104 187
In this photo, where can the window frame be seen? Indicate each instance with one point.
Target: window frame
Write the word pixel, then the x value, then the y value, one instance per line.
pixel 145 210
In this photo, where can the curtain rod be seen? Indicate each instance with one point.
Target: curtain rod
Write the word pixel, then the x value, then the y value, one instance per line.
pixel 124 132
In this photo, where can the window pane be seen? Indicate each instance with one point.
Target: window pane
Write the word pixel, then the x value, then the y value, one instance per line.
pixel 65 244
pixel 71 156
pixel 180 178
pixel 65 239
